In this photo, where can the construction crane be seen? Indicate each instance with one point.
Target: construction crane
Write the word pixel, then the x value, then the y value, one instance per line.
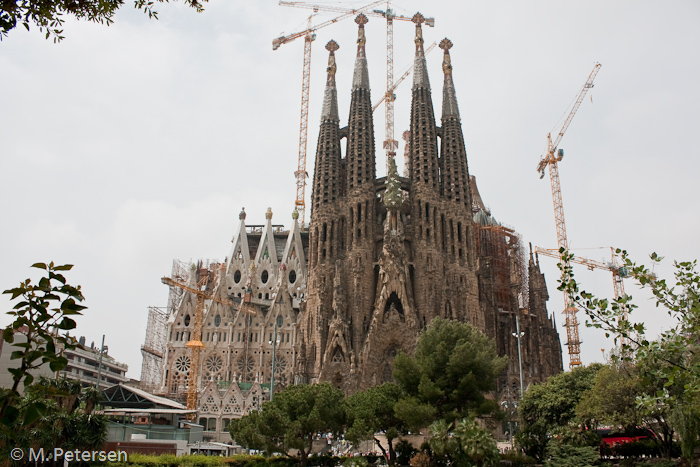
pixel 550 160
pixel 404 75
pixel 195 344
pixel 618 273
pixel 309 36
pixel 390 144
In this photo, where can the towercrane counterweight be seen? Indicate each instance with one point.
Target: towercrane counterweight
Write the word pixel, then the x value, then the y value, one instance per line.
pixel 550 159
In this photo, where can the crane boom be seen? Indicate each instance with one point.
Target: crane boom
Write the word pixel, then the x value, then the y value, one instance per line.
pixel 403 76
pixel 618 273
pixel 390 144
pixel 195 343
pixel 308 34
pixel 550 160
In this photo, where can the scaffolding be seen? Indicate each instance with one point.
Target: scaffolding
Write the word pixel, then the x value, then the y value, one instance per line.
pixel 503 247
pixel 180 273
pixel 153 348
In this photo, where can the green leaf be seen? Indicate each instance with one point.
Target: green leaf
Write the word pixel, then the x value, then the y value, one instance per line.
pixel 37 265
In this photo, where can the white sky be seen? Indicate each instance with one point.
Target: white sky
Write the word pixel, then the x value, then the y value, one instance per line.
pixel 124 147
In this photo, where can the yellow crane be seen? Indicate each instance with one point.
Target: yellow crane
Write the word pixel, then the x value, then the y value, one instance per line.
pixel 195 344
pixel 390 144
pixel 309 36
pixel 618 272
pixel 550 159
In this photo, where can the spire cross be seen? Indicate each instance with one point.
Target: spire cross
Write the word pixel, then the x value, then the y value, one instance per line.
pixel 418 19
pixel 446 45
pixel 361 20
pixel 331 47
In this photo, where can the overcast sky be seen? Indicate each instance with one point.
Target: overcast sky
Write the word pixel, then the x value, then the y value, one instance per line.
pixel 127 146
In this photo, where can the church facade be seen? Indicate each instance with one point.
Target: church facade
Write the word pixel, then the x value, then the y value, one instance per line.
pixel 380 259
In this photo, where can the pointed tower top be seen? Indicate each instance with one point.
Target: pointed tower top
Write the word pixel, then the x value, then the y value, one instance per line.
pixel 420 69
pixel 330 97
pixel 332 46
pixel 360 77
pixel 449 97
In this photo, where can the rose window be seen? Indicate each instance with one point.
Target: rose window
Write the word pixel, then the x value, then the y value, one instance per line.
pixel 182 363
pixel 214 364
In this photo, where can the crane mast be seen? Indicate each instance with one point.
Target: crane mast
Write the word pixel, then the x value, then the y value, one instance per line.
pixel 195 343
pixel 550 160
pixel 390 144
pixel 618 273
pixel 309 36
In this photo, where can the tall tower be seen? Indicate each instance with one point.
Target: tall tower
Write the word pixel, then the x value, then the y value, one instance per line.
pixel 323 225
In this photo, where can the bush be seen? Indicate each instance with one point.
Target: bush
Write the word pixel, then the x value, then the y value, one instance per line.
pixel 404 452
pixel 322 461
pixel 420 460
pixel 518 459
pixel 659 463
pixel 567 455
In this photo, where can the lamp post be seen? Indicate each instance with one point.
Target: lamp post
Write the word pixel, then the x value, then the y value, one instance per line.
pixel 278 323
pixel 99 362
pixel 519 334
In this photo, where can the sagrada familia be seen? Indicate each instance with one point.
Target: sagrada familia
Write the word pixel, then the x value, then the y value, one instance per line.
pixel 380 259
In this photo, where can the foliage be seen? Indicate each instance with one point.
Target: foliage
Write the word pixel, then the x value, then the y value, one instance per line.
pixel 612 399
pixel 421 459
pixel 452 370
pixel 62 423
pixel 464 443
pixel 355 462
pixel 670 365
pixel 48 15
pixel 43 315
pixel 569 455
pixel 552 404
pixel 372 411
pixel 404 452
pixel 518 459
pixel 291 420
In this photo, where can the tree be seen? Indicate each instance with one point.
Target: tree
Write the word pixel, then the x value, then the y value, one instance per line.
pixel 453 369
pixel 372 411
pixel 291 421
pixel 669 364
pixel 47 415
pixel 66 422
pixel 43 315
pixel 552 404
pixel 48 14
pixel 612 401
pixel 468 444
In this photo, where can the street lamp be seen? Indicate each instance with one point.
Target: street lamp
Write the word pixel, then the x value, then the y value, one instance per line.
pixel 278 323
pixel 519 334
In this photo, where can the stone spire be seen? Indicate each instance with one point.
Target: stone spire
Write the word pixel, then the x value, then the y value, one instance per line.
pixel 453 155
pixel 360 166
pixel 423 140
pixel 330 97
pixel 449 98
pixel 360 78
pixel 327 168
pixel 420 69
